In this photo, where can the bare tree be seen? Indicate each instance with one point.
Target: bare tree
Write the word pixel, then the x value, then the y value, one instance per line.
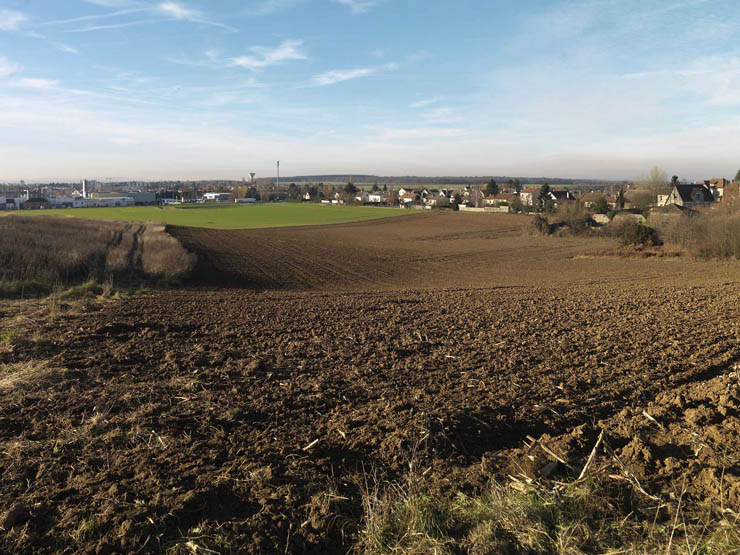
pixel 655 180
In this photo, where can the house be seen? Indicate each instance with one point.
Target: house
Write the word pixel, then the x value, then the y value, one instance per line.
pixel 362 196
pixel 376 198
pixel 561 196
pixel 690 196
pixel 502 199
pixel 529 195
pixel 410 198
pixel 440 199
pixel 218 197
pixel 36 203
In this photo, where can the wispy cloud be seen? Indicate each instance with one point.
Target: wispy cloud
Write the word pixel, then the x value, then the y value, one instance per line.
pixel 66 48
pixel 12 20
pixel 7 68
pixel 93 17
pixel 182 12
pixel 425 103
pixel 117 25
pixel 177 11
pixel 340 75
pixel 37 83
pixel 165 11
pixel 269 7
pixel 357 6
pixel 113 3
pixel 264 57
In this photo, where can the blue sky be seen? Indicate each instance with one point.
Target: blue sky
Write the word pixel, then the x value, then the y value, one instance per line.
pixel 193 89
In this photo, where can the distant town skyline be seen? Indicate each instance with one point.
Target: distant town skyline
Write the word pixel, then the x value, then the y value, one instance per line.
pixel 152 90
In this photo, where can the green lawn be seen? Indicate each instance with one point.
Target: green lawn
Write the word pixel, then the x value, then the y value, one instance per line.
pixel 231 216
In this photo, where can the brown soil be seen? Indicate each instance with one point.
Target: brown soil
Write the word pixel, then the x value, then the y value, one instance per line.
pixel 243 421
pixel 440 249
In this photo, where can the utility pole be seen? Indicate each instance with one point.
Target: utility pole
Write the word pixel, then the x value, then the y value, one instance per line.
pixel 278 176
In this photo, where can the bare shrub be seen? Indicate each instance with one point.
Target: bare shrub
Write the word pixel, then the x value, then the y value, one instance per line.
pixel 540 225
pixel 575 217
pixel 708 234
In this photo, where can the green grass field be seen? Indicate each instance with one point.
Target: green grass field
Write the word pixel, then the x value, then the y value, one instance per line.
pixel 232 216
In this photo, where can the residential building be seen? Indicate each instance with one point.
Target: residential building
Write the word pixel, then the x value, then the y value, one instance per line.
pixel 529 195
pixel 690 196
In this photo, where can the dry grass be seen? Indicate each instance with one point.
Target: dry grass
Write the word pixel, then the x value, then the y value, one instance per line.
pixel 23 374
pixel 40 254
pixel 584 516
pixel 162 255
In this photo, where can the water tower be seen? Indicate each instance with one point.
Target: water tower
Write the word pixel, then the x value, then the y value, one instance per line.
pixel 251 177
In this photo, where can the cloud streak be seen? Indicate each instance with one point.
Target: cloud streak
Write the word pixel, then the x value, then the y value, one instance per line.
pixel 163 11
pixel 335 76
pixel 425 103
pixel 289 50
pixel 357 6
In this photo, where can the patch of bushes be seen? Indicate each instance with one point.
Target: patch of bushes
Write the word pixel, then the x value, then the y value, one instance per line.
pixel 630 232
pixel 540 225
pixel 709 234
pixel 575 218
pixel 634 233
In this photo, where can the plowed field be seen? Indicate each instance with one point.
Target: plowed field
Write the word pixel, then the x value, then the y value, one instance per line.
pixel 436 249
pixel 246 421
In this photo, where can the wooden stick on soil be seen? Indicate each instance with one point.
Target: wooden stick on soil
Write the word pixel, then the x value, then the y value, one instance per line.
pixel 652 419
pixel 555 456
pixel 591 457
pixel 631 478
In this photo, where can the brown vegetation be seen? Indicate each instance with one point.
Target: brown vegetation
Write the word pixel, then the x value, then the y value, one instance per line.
pixel 708 234
pixel 38 254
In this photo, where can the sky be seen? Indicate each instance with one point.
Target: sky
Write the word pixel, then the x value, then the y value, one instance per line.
pixel 195 89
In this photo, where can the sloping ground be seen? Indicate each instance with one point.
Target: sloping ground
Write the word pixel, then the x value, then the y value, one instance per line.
pixel 439 249
pixel 244 422
pixel 55 251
